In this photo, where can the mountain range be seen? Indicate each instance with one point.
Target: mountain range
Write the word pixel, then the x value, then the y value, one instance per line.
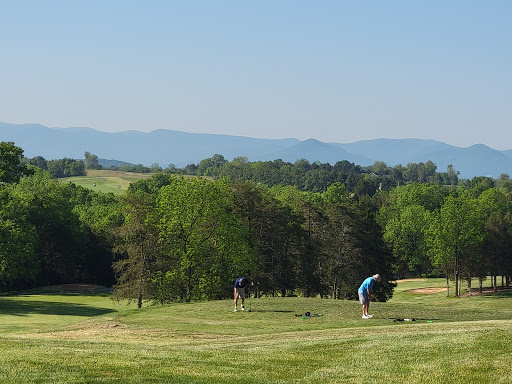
pixel 166 147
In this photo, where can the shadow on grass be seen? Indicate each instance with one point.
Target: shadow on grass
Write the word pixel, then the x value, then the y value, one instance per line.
pixel 65 290
pixel 68 293
pixel 29 307
pixel 502 293
pixel 270 310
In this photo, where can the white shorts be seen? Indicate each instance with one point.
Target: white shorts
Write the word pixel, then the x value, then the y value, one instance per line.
pixel 240 292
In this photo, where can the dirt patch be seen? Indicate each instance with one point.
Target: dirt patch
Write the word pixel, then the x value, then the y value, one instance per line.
pixel 427 291
pixel 474 292
pixel 405 280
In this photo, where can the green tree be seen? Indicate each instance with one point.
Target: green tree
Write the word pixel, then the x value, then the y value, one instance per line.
pixel 275 236
pixel 442 262
pixel 456 235
pixel 151 185
pixel 18 239
pixel 429 172
pixel 354 250
pixel 309 224
pixel 171 168
pixel 38 161
pixel 336 193
pixel 481 184
pixel 497 249
pixel 380 168
pixel 405 233
pixel 397 173
pixel 61 238
pixel 65 168
pixel 211 166
pixel 453 175
pixel 238 169
pixel 203 240
pixel 137 238
pixel 98 214
pixel 75 168
pixel 430 197
pixel 139 168
pixel 367 185
pixel 265 172
pixel 412 173
pixel 317 180
pixel 91 161
pixel 155 167
pixel 504 183
pixel 11 168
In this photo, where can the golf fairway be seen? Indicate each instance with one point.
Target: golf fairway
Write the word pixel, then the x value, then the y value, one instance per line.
pixel 89 339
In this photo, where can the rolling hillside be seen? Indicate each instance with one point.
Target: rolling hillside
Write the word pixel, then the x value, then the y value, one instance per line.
pixel 107 181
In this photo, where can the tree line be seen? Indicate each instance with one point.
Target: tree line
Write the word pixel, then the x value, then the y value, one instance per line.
pixel 177 238
pixel 461 234
pixel 189 238
pixel 316 176
pixel 306 176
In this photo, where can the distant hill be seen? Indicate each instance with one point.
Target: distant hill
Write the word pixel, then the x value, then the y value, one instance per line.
pixel 181 148
pixel 106 163
pixel 476 160
pixel 159 146
pixel 397 151
pixel 315 150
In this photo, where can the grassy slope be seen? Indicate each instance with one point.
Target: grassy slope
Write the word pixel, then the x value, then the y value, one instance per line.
pixel 106 181
pixel 86 338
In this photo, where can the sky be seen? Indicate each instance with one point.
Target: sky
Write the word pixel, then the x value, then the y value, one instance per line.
pixel 336 71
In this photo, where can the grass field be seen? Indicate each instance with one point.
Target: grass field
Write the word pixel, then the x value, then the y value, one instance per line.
pixel 81 336
pixel 106 180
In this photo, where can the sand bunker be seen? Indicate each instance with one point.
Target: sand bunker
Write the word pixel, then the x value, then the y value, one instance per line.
pixel 474 291
pixel 427 290
pixel 404 280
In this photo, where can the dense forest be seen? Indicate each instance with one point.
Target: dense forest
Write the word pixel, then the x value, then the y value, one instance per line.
pixel 306 229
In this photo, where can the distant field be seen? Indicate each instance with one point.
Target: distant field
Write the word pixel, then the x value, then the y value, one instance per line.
pixel 81 336
pixel 107 181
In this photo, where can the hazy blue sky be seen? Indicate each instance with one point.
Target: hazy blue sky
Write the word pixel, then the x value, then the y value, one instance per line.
pixel 337 71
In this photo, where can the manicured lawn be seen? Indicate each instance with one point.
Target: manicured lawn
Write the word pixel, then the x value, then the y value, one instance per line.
pixel 71 337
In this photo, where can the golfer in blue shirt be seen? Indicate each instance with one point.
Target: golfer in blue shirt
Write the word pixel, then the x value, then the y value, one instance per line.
pixel 365 294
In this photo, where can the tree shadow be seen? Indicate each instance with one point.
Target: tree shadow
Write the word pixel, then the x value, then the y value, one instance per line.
pixel 270 310
pixel 30 307
pixel 502 293
pixel 72 294
pixel 65 290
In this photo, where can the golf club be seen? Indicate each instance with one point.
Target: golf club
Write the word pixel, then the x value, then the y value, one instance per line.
pixel 389 318
pixel 379 312
pixel 249 294
pixel 397 319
